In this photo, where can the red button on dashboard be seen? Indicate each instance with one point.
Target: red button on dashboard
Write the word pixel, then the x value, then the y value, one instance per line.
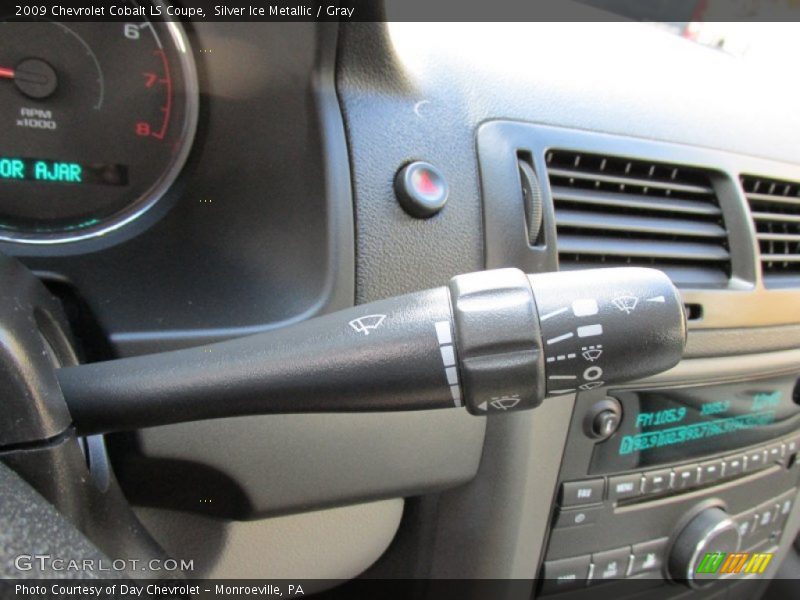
pixel 421 189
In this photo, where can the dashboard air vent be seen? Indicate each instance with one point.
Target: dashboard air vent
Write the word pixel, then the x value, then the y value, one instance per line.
pixel 775 207
pixel 613 211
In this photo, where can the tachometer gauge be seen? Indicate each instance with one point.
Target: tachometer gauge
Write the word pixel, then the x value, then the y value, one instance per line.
pixel 97 120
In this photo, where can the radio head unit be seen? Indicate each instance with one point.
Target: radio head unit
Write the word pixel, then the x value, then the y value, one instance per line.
pixel 652 478
pixel 662 426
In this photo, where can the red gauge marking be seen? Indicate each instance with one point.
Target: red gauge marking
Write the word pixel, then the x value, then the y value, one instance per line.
pixel 151 79
pixel 167 109
pixel 6 73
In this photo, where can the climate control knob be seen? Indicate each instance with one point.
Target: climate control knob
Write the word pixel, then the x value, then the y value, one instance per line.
pixel 711 531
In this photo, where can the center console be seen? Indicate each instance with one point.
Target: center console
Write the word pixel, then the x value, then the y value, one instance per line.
pixel 654 479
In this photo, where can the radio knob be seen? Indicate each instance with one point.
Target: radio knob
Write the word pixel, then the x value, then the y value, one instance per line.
pixel 709 532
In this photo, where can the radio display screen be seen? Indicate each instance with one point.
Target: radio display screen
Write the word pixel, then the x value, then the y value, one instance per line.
pixel 674 425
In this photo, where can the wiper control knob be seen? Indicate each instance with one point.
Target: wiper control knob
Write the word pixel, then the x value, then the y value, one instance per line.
pixel 493 341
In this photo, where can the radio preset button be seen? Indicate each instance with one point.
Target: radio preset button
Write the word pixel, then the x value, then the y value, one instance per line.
pixel 625 486
pixel 763 519
pixel 775 452
pixel 744 523
pixel 785 502
pixel 566 574
pixel 611 564
pixel 792 450
pixel 710 471
pixel 656 482
pixel 734 465
pixel 756 459
pixel 776 514
pixel 685 477
pixel 576 493
pixel 648 556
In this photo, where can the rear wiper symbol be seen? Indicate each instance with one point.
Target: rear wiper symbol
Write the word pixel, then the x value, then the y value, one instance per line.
pixel 500 402
pixel 505 402
pixel 367 323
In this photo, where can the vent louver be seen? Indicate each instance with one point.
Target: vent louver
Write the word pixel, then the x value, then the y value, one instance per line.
pixel 613 211
pixel 775 207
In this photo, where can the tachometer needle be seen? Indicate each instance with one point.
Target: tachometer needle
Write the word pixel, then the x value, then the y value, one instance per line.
pixel 6 73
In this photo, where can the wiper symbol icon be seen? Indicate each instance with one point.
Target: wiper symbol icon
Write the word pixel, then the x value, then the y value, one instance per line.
pixel 367 323
pixel 592 353
pixel 505 402
pixel 626 304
